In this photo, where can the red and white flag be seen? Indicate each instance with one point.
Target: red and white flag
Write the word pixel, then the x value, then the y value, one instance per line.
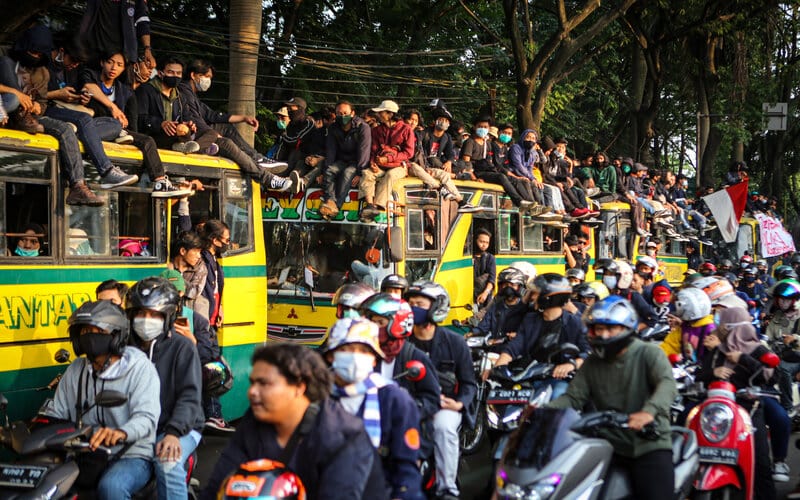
pixel 727 206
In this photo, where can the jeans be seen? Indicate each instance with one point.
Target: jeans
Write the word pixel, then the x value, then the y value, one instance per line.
pixel 446 450
pixel 229 131
pixel 559 386
pixel 69 150
pixel 505 181
pixel 124 478
pixel 212 408
pixel 8 77
pixel 10 102
pixel 91 132
pixel 337 179
pixel 552 197
pixel 645 203
pixel 228 149
pixel 786 377
pixel 150 158
pixel 171 483
pixel 780 428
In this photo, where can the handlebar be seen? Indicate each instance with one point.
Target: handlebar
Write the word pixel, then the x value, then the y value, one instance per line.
pixel 590 423
pixel 83 446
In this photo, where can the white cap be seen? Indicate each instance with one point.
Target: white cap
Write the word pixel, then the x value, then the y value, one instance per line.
pixel 387 106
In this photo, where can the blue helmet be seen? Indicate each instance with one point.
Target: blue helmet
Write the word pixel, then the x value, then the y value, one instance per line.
pixel 611 311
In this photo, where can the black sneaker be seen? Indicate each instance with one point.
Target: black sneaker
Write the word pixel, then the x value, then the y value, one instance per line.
pixel 163 188
pixel 187 147
pixel 115 177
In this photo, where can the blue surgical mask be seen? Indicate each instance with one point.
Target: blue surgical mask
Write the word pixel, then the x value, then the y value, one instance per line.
pixel 281 124
pixel 505 138
pixel 420 315
pixel 352 367
pixel 482 132
pixel 22 252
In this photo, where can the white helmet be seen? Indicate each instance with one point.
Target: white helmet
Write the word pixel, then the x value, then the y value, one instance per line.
pixel 528 269
pixel 625 275
pixel 692 304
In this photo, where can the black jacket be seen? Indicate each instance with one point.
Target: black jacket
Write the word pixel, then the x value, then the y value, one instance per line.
pixel 151 108
pixel 178 367
pixel 133 21
pixel 198 111
pixel 336 460
pixel 526 343
pixel 215 276
pixel 351 147
pixel 426 392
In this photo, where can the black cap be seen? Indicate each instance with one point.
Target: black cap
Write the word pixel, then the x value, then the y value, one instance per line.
pixel 296 101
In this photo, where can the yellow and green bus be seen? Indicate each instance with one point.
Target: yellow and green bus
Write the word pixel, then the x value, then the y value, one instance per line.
pixel 81 248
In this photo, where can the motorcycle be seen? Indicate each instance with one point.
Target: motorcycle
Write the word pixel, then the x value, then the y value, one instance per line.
pixel 555 454
pixel 482 359
pixel 655 333
pixel 724 433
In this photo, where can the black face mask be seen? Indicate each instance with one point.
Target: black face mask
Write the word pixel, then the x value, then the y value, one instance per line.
pixel 528 144
pixel 28 61
pixel 221 249
pixel 95 344
pixel 171 81
pixel 509 292
pixel 296 115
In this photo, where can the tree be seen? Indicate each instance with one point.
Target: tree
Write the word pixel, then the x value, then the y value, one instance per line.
pixel 16 16
pixel 245 30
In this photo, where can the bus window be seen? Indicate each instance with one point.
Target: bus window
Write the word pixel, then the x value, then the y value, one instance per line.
pixel 553 237
pixel 507 232
pixel 418 269
pixel 416 229
pixel 237 212
pixel 532 240
pixel 125 227
pixel 25 208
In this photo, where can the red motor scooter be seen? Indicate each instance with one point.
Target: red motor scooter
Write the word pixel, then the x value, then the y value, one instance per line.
pixel 726 448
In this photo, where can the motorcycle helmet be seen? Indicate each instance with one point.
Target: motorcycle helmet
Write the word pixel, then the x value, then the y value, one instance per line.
pixel 263 479
pixel 102 314
pixel 732 278
pixel 394 281
pixel 608 271
pixel 786 294
pixel 761 264
pixel 795 260
pixel 511 275
pixel 745 261
pixel 784 272
pixel 625 275
pixel 440 300
pixel 750 274
pixel 350 296
pixel 554 290
pixel 594 289
pixel 354 331
pixel 576 274
pixel 726 264
pixel 646 260
pixel 154 294
pixel 707 269
pixel 611 311
pixel 397 311
pixel 217 378
pixel 692 304
pixel 715 287
pixel 528 269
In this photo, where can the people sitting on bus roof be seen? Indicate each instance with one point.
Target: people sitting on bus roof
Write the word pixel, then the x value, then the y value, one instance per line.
pixel 392 147
pixel 29 243
pixel 347 153
pixel 27 63
pixel 436 178
pixel 293 146
pixel 309 166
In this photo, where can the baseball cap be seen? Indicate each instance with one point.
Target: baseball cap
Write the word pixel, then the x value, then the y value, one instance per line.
pixel 296 101
pixel 176 278
pixel 638 167
pixel 493 132
pixel 387 106
pixel 284 111
pixel 661 294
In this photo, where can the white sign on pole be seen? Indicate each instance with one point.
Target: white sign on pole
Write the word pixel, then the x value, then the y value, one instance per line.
pixel 775 114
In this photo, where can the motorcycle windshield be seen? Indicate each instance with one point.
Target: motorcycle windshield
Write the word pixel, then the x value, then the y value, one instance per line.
pixel 542 436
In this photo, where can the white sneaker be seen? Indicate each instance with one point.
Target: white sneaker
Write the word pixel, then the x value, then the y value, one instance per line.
pixel 780 472
pixel 124 138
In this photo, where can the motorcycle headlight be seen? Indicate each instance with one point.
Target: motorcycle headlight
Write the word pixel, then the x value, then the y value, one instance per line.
pixel 536 491
pixel 716 421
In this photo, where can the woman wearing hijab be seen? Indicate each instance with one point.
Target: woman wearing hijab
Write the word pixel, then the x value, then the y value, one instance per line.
pixel 737 356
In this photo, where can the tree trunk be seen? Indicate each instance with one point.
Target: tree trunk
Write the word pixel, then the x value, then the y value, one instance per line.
pixel 245 30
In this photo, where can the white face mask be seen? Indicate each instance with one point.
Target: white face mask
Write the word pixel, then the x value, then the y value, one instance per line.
pixel 352 367
pixel 203 83
pixel 148 328
pixel 610 282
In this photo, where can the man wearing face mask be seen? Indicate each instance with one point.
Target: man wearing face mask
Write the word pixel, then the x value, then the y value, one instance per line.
pixel 99 332
pixel 522 159
pixel 617 276
pixel 547 327
pixel 503 317
pixel 450 355
pixel 152 305
pixel 295 143
pixel 389 413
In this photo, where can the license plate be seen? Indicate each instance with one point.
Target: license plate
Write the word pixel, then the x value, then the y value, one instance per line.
pixel 718 455
pixel 510 396
pixel 21 476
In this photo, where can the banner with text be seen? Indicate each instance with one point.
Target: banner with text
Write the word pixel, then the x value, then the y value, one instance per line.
pixel 775 240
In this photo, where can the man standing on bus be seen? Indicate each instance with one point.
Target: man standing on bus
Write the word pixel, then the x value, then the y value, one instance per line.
pixel 392 146
pixel 347 155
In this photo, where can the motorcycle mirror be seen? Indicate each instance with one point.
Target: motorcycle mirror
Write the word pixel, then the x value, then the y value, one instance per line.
pixel 62 356
pixel 415 371
pixel 110 399
pixel 674 359
pixel 566 351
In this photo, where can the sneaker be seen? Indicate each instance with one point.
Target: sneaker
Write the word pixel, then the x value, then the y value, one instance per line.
pixel 281 184
pixel 124 137
pixel 550 215
pixel 579 212
pixel 115 177
pixel 525 204
pixel 212 150
pixel 163 188
pixel 592 192
pixel 276 167
pixel 80 194
pixel 705 241
pixel 780 472
pixel 328 210
pixel 445 194
pixel 592 222
pixel 187 147
pixel 666 224
pixel 298 183
pixel 368 213
pixel 643 233
pixel 709 227
pixel 218 424
pixel 468 208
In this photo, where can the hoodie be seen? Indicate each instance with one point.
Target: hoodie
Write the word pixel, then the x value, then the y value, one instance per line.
pixel 178 365
pixel 134 376
pixel 521 160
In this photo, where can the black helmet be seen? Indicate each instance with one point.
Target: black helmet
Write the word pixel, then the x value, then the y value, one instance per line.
pixel 394 281
pixel 351 296
pixel 440 299
pixel 606 266
pixel 554 290
pixel 576 273
pixel 217 377
pixel 611 311
pixel 105 315
pixel 511 275
pixel 750 271
pixel 784 272
pixel 795 261
pixel 154 294
pixel 726 263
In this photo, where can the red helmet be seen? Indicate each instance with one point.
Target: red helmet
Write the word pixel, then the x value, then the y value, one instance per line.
pixel 263 479
pixel 707 267
pixel 397 311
